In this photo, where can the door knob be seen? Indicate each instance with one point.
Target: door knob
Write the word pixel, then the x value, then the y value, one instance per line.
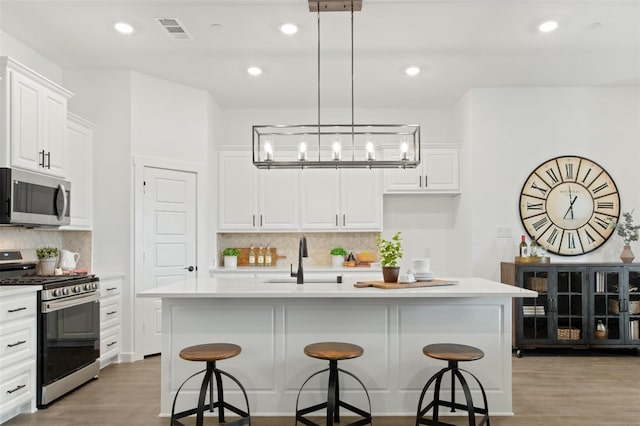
pixel 190 268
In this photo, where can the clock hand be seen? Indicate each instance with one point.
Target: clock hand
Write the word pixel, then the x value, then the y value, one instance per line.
pixel 570 209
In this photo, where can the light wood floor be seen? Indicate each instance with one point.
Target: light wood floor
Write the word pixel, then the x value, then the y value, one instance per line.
pixel 548 389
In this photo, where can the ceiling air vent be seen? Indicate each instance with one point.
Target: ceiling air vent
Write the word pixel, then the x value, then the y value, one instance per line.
pixel 174 29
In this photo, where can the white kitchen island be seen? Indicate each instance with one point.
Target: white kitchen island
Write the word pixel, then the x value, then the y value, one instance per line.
pixel 273 322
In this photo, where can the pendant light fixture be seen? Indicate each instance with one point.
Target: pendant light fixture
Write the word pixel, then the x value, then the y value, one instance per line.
pixel 336 145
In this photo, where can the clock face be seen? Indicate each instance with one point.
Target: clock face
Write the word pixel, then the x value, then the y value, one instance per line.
pixel 567 205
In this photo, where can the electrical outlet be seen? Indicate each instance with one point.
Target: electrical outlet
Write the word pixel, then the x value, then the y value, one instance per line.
pixel 504 232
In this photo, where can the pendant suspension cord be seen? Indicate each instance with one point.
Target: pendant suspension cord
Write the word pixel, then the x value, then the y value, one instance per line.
pixel 318 6
pixel 353 137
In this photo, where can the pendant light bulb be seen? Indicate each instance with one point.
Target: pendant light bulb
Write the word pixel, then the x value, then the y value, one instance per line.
pixel 337 150
pixel 404 148
pixel 371 153
pixel 302 151
pixel 268 150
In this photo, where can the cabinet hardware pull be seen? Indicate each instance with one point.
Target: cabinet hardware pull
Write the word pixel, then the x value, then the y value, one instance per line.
pixel 48 160
pixel 253 220
pixel 17 388
pixel 112 288
pixel 420 181
pixel 41 163
pixel 112 312
pixel 336 220
pixel 344 220
pixel 17 309
pixel 426 181
pixel 261 221
pixel 111 344
pixel 18 343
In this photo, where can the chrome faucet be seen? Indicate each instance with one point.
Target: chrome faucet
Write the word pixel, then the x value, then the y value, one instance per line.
pixel 302 252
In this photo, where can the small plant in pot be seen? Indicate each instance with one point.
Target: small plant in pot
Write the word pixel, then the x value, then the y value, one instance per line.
pixel 390 252
pixel 231 257
pixel 47 260
pixel 337 257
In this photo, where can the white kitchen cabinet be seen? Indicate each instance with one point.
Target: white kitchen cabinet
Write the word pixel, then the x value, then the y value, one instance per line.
pixel 34 118
pixel 344 200
pixel 252 200
pixel 110 319
pixel 437 173
pixel 18 343
pixel 78 149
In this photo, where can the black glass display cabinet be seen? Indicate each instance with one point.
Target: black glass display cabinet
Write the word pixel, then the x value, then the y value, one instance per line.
pixel 578 305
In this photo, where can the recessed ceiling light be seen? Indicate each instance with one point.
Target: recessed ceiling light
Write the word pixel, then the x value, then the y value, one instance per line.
pixel 288 28
pixel 412 71
pixel 548 26
pixel 123 27
pixel 254 70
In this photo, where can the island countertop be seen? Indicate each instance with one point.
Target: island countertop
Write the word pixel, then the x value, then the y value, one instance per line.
pixel 227 287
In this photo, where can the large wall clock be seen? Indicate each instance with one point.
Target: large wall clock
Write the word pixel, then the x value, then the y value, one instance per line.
pixel 567 205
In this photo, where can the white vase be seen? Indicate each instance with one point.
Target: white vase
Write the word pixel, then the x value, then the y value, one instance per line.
pixel 231 262
pixel 337 261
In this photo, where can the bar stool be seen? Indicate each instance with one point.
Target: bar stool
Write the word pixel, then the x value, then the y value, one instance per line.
pixel 210 353
pixel 333 352
pixel 452 353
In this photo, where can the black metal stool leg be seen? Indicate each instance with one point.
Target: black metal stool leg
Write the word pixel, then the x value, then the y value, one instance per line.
pixel 453 366
pixel 220 389
pixel 203 394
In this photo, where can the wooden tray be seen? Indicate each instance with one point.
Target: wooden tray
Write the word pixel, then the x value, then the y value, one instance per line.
pixel 243 257
pixel 390 286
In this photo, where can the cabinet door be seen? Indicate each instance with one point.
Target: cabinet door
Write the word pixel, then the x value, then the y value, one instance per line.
pixel 532 314
pixel 237 186
pixel 78 149
pixel 319 199
pixel 569 307
pixel 360 200
pixel 278 200
pixel 401 180
pixel 25 123
pixel 54 119
pixel 441 169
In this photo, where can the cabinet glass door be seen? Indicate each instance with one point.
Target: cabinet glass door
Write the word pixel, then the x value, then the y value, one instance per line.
pixel 533 312
pixel 606 320
pixel 568 307
pixel 633 289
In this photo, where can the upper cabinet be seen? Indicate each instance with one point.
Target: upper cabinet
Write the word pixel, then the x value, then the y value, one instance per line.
pixel 79 158
pixel 340 200
pixel 34 120
pixel 437 173
pixel 250 199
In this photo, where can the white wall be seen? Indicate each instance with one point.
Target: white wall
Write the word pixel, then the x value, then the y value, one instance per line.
pixel 10 46
pixel 513 130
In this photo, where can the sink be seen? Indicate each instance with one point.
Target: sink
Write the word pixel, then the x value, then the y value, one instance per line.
pixel 306 280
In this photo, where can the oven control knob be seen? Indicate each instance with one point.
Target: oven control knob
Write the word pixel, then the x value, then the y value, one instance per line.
pixel 95 286
pixel 87 286
pixel 65 291
pixel 77 289
pixel 57 292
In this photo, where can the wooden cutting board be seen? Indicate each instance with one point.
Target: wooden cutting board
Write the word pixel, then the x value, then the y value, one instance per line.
pixel 243 258
pixel 390 286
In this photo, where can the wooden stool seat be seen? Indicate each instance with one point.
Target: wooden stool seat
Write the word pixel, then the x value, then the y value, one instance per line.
pixel 333 351
pixel 210 352
pixel 452 352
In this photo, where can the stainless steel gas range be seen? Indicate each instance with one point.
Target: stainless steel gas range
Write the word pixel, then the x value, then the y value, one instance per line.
pixel 68 326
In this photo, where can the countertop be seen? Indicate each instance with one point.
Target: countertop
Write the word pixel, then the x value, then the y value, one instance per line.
pixel 223 287
pixel 287 269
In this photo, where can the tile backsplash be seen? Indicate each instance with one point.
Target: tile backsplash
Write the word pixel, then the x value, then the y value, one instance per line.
pixel 15 237
pixel 318 245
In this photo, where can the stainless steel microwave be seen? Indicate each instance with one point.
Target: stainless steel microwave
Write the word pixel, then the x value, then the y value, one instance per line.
pixel 32 199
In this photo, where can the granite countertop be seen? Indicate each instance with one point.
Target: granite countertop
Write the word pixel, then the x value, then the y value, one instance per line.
pixel 223 287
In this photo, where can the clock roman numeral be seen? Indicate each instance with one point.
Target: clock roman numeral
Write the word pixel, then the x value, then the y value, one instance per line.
pixel 534 206
pixel 542 190
pixel 571 241
pixel 552 174
pixel 551 239
pixel 589 237
pixel 603 223
pixel 568 171
pixel 540 224
pixel 585 176
pixel 605 205
pixel 600 188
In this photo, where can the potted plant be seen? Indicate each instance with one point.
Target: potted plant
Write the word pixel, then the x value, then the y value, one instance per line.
pixel 231 257
pixel 629 233
pixel 47 259
pixel 337 257
pixel 390 251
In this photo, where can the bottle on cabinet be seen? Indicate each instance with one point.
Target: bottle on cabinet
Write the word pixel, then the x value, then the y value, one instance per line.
pixel 260 256
pixel 533 248
pixel 267 256
pixel 252 256
pixel 524 248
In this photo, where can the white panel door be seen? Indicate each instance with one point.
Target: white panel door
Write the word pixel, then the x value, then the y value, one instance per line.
pixel 25 127
pixel 78 149
pixel 237 189
pixel 169 240
pixel 401 180
pixel 441 169
pixel 361 199
pixel 320 198
pixel 54 113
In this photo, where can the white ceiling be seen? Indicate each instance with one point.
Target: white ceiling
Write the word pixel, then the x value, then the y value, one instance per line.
pixel 458 45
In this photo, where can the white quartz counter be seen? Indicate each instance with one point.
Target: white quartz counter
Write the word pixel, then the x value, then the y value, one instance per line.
pixel 12 290
pixel 255 287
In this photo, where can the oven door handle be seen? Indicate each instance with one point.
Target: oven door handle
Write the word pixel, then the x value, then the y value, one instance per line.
pixel 56 305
